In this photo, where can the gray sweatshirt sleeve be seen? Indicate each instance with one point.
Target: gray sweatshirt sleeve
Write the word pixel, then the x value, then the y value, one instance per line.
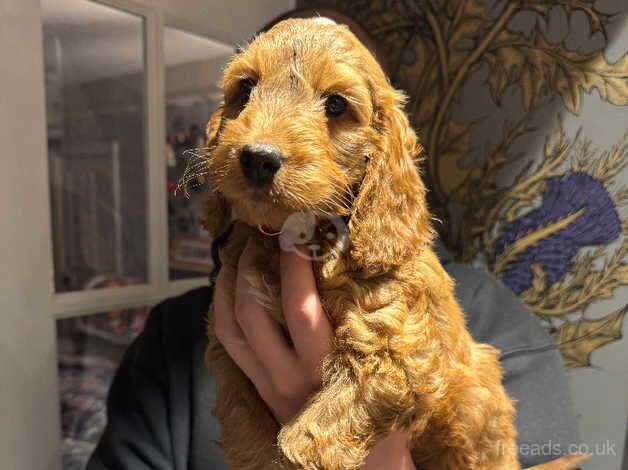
pixel 534 375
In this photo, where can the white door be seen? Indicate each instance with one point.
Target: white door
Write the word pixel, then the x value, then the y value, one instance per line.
pixel 98 103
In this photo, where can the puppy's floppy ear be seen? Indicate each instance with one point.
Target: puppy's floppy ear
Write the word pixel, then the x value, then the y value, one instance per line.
pixel 217 209
pixel 390 220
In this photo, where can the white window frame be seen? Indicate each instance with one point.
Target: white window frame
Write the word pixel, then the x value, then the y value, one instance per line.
pixel 158 285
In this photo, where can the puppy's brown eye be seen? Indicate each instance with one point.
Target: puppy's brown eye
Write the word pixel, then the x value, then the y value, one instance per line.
pixel 246 87
pixel 335 105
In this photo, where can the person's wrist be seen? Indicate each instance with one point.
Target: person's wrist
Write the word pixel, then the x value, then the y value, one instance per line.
pixel 392 453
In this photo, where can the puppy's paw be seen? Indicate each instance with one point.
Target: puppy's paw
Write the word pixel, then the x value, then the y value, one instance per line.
pixel 298 447
pixel 314 448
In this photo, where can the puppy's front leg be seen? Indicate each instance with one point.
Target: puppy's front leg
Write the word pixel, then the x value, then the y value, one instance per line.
pixel 343 421
pixel 249 432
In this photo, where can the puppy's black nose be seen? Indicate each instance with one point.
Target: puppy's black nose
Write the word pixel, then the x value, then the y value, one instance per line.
pixel 260 162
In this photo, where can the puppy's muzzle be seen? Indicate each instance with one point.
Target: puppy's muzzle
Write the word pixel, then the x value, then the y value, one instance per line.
pixel 260 163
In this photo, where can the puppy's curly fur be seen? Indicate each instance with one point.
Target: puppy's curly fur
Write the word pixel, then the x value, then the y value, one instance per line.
pixel 402 357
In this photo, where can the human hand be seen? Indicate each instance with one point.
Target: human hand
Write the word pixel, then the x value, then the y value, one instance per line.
pixel 285 374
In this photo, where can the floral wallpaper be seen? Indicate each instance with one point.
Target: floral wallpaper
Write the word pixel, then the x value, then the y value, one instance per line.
pixel 522 107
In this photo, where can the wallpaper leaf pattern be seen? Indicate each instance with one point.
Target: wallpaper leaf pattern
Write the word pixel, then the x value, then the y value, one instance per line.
pixel 580 339
pixel 554 234
pixel 536 65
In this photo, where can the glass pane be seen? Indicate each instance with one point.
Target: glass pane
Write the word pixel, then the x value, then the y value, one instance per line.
pixel 193 70
pixel 89 351
pixel 94 76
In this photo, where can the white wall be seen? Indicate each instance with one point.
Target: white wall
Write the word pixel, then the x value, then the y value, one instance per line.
pixel 29 406
pixel 29 426
pixel 232 21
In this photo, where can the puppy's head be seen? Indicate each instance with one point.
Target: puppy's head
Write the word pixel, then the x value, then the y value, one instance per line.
pixel 310 123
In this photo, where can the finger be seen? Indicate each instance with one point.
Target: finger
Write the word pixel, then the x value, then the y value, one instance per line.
pixel 230 335
pixel 309 327
pixel 262 333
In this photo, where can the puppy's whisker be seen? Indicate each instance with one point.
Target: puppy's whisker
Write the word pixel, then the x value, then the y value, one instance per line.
pixel 195 170
pixel 300 201
pixel 340 197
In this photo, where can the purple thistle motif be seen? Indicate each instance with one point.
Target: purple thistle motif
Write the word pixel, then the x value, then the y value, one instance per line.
pixel 563 196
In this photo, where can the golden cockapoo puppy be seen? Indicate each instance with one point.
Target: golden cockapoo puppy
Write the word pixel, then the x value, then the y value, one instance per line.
pixel 310 124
